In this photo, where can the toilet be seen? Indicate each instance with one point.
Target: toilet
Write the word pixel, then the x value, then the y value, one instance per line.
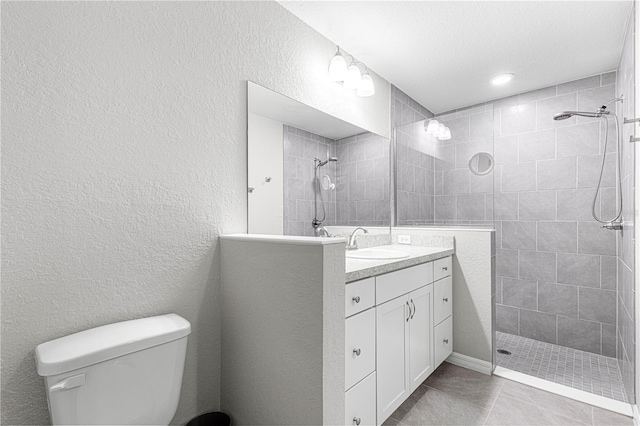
pixel 127 373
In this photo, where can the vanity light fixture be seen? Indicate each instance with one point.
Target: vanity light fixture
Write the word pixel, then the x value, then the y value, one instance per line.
pixel 437 129
pixel 338 67
pixel 351 76
pixel 502 79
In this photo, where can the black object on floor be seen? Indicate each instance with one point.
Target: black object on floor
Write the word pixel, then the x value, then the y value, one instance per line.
pixel 504 352
pixel 215 418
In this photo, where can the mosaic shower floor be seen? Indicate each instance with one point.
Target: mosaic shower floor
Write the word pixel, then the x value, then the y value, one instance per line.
pixel 585 371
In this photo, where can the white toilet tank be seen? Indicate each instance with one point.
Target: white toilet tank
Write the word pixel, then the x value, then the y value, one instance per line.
pixel 128 373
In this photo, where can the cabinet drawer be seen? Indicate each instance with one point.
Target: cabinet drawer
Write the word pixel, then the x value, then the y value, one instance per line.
pixel 360 346
pixel 442 299
pixel 360 403
pixel 442 268
pixel 360 295
pixel 443 340
pixel 394 284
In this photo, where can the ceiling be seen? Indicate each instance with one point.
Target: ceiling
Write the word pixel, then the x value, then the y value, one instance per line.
pixel 443 53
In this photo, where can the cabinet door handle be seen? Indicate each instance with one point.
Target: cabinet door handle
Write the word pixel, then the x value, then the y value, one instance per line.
pixel 357 351
pixel 409 314
pixel 445 268
pixel 356 299
pixel 357 420
pixel 414 309
pixel 446 341
pixel 446 299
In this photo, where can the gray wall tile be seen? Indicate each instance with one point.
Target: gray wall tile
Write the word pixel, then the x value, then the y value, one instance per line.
pixel 582 139
pixel 608 333
pixel 539 266
pixel 520 293
pixel 595 240
pixel 579 269
pixel 507 319
pixel 575 204
pixel 470 207
pixel 608 272
pixel 579 334
pixel 558 236
pixel 538 325
pixel 540 205
pixel 557 174
pixel 507 263
pixel 558 299
pixel 537 145
pixel 597 305
pixel 519 235
pixel 518 119
pixel 577 85
pixel 589 171
pixel 519 177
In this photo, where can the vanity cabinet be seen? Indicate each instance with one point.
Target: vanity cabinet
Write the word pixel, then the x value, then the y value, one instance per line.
pixel 397 331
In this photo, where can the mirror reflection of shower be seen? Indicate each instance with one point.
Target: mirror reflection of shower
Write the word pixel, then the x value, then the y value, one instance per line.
pixel 616 222
pixel 320 183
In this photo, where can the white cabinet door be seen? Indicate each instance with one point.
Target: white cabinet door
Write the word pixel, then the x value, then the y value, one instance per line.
pixel 392 367
pixel 420 336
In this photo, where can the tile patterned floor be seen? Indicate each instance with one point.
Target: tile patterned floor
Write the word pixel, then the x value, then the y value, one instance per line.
pixel 456 396
pixel 589 372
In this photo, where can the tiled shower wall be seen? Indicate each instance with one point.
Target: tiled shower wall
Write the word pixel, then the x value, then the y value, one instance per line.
pixel 556 267
pixel 363 181
pixel 361 178
pixel 300 149
pixel 626 329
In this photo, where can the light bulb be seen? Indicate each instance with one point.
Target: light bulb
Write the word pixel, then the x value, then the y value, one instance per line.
pixel 365 88
pixel 432 128
pixel 353 78
pixel 337 67
pixel 502 79
pixel 446 135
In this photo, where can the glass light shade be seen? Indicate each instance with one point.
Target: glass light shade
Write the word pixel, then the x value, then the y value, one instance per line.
pixel 365 88
pixel 440 130
pixel 353 78
pixel 446 135
pixel 338 67
pixel 432 127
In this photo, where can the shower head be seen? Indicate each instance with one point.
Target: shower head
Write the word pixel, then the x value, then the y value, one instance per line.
pixel 320 163
pixel 568 114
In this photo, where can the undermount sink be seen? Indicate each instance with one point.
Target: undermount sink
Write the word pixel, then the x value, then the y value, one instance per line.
pixel 377 254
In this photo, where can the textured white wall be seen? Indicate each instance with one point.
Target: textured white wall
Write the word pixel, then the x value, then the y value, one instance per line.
pixel 123 159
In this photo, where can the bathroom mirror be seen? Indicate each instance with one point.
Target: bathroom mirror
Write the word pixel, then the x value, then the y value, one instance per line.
pixel 306 166
pixel 481 163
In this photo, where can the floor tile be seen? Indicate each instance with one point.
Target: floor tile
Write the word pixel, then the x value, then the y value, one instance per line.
pixel 581 370
pixel 607 418
pixel 477 388
pixel 551 402
pixel 512 412
pixel 433 407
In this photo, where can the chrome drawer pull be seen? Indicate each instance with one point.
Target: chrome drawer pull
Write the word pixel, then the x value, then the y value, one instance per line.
pixel 414 309
pixel 357 351
pixel 357 420
pixel 356 299
pixel 445 268
pixel 446 341
pixel 409 308
pixel 446 299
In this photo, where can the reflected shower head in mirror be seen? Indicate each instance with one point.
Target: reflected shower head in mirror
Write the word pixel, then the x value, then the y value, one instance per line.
pixel 320 163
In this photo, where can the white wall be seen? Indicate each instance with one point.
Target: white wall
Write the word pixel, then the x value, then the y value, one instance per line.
pixel 124 157
pixel 265 159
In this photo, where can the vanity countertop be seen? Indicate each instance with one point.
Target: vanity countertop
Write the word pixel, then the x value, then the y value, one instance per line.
pixel 358 269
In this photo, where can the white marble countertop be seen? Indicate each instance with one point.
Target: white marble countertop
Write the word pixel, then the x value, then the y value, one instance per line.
pixel 358 269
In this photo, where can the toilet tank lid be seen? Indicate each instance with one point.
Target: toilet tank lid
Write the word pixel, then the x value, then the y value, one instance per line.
pixel 109 341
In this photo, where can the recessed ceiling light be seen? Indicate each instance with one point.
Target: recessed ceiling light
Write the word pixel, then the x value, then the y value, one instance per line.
pixel 502 79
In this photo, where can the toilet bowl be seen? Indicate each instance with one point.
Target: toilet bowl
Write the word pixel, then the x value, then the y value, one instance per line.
pixel 127 373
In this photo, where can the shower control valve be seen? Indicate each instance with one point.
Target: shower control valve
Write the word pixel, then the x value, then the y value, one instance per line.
pixel 612 226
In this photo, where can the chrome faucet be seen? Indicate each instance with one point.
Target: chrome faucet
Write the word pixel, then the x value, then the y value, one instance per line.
pixel 352 239
pixel 321 231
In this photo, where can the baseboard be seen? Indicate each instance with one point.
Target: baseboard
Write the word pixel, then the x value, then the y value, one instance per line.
pixel 636 415
pixel 569 392
pixel 470 363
